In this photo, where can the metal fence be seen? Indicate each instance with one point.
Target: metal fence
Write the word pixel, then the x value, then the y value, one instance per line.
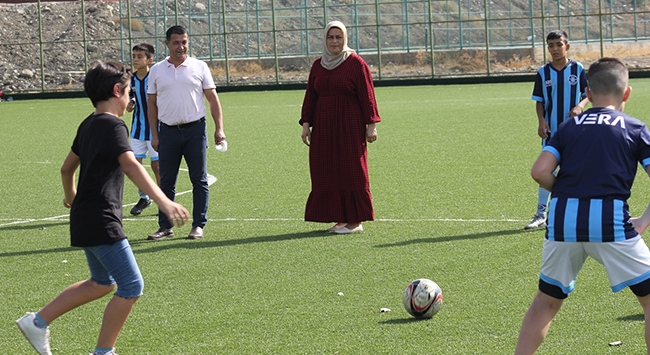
pixel 275 41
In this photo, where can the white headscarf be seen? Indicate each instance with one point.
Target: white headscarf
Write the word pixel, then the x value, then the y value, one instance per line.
pixel 330 61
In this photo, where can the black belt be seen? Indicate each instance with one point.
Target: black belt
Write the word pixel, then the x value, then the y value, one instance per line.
pixel 184 125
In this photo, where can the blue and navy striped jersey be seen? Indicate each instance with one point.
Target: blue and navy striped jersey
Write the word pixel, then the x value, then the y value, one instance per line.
pixel 559 91
pixel 598 153
pixel 140 126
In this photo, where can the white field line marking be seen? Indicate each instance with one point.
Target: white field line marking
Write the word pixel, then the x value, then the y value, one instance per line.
pixel 232 219
pixel 398 220
pixel 211 180
pixel 385 102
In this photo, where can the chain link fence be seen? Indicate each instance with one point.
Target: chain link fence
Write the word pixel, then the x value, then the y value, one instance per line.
pixel 50 45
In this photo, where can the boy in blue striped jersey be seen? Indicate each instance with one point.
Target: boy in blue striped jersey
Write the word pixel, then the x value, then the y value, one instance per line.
pixel 140 130
pixel 597 153
pixel 559 93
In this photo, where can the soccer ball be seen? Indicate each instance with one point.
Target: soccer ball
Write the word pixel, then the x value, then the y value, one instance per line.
pixel 422 298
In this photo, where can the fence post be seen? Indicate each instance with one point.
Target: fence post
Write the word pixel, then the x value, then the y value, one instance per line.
pixel 83 34
pixel 275 43
pixel 431 41
pixel 225 41
pixel 40 43
pixel 378 29
pixel 128 18
pixel 600 27
pixel 486 15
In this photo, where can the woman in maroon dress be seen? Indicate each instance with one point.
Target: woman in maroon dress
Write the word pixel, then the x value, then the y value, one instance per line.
pixel 339 113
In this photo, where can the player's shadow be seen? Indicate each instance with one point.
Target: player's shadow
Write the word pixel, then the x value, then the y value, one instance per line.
pixel 403 321
pixel 155 246
pixel 632 318
pixel 36 252
pixel 185 243
pixel 452 238
pixel 24 226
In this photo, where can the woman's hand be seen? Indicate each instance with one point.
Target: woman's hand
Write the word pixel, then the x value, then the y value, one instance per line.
pixel 306 134
pixel 371 133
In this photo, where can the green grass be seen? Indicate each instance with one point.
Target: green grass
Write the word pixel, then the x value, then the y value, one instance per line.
pixel 450 181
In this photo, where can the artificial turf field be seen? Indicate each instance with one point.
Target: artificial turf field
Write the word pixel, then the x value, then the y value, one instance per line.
pixel 450 177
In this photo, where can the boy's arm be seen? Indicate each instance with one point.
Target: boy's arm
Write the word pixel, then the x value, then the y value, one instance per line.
pixel 217 114
pixel 152 116
pixel 70 165
pixel 579 108
pixel 543 169
pixel 542 128
pixel 134 170
pixel 641 223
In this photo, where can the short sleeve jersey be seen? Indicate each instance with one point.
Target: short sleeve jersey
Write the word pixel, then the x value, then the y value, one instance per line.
pixel 559 91
pixel 598 153
pixel 140 126
pixel 96 213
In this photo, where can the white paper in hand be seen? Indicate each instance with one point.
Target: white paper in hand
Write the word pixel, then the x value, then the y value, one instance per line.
pixel 222 147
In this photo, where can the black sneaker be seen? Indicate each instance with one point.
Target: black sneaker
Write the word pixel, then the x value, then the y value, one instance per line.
pixel 140 206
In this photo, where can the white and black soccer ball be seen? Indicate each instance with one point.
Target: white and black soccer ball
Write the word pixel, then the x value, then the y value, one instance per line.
pixel 422 298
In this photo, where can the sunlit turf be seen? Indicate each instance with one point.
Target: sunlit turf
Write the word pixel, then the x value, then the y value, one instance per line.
pixel 451 187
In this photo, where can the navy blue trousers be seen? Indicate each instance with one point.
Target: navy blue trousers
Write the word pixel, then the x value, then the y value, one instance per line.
pixel 189 143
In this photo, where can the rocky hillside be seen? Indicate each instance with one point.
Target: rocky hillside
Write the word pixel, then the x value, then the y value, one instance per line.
pixel 63 64
pixel 65 55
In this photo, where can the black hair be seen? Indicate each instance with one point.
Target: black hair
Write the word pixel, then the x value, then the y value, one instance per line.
pixel 607 76
pixel 557 34
pixel 146 48
pixel 175 30
pixel 102 77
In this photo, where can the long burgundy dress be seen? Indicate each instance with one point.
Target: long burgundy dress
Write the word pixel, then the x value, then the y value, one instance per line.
pixel 338 104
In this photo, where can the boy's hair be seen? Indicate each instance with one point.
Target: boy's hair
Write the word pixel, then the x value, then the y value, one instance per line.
pixel 102 77
pixel 557 34
pixel 175 30
pixel 146 48
pixel 607 76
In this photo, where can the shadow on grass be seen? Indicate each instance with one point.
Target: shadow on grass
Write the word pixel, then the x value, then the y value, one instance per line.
pixel 184 243
pixel 36 252
pixel 139 246
pixel 632 318
pixel 452 238
pixel 402 321
pixel 30 225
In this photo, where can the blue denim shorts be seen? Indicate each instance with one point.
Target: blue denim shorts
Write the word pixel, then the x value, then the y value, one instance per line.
pixel 115 264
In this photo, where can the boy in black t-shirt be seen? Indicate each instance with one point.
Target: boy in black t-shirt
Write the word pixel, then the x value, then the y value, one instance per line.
pixel 102 150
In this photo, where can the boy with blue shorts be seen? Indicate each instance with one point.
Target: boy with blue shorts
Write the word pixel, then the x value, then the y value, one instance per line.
pixel 102 151
pixel 597 153
pixel 140 131
pixel 559 93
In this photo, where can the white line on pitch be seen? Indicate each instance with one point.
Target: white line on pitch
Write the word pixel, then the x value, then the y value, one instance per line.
pixel 211 180
pixel 141 219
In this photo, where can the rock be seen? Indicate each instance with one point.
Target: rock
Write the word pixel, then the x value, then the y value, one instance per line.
pixel 61 21
pixel 26 73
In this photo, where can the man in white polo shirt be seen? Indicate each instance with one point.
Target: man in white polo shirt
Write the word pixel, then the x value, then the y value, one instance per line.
pixel 177 86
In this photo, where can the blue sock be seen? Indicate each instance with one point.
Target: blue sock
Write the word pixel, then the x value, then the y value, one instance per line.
pixel 102 351
pixel 39 322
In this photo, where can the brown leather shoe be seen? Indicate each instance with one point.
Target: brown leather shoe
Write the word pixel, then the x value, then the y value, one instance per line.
pixel 196 233
pixel 161 233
